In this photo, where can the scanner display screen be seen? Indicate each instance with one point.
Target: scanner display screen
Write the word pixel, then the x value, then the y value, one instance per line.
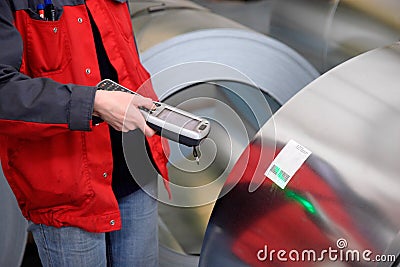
pixel 178 119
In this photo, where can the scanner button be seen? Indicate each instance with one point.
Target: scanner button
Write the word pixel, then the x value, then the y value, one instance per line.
pixel 202 127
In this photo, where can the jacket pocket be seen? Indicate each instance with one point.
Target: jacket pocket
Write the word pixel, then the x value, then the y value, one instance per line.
pixel 47 46
pixel 49 174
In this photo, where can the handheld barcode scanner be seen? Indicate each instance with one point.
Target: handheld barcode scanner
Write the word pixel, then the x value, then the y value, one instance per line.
pixel 170 122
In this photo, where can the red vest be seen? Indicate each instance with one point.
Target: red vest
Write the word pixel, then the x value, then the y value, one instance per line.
pixel 65 179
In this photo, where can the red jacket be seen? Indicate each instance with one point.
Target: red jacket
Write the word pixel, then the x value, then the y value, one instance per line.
pixel 57 163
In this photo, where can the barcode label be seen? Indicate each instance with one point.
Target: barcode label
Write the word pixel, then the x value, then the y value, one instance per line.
pixel 287 163
pixel 278 172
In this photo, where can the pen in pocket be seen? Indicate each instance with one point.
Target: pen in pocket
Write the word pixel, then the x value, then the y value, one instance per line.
pixel 40 10
pixel 49 10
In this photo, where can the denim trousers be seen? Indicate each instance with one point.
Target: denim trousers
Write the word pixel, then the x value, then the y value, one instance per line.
pixel 135 245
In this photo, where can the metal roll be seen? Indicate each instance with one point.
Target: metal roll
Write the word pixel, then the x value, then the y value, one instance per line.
pixel 328 33
pixel 221 70
pixel 13 231
pixel 340 207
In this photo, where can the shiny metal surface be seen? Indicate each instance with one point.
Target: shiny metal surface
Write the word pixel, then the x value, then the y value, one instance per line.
pixel 252 14
pixel 13 232
pixel 213 67
pixel 345 196
pixel 328 33
pixel 233 54
pixel 158 21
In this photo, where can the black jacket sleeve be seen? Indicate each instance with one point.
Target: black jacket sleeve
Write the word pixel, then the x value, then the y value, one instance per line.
pixel 36 106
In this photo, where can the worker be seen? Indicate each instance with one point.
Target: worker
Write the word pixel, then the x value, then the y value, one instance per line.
pixel 60 137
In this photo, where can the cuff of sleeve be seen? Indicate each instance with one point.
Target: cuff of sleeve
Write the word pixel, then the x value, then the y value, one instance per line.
pixel 81 108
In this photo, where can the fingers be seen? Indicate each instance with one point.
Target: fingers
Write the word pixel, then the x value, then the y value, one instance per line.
pixel 130 127
pixel 134 118
pixel 140 101
pixel 121 111
pixel 148 131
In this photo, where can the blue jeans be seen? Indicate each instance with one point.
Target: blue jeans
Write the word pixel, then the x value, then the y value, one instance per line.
pixel 136 244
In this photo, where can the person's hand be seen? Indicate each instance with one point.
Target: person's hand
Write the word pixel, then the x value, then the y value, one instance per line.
pixel 120 110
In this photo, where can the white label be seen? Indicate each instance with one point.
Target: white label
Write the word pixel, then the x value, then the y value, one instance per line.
pixel 287 163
